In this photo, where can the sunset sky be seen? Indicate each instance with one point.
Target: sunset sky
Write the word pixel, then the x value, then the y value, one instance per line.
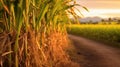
pixel 101 8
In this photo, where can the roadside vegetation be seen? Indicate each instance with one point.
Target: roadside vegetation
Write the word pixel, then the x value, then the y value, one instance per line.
pixel 104 33
pixel 33 33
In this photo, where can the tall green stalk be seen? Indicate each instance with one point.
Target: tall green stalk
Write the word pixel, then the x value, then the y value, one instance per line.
pixel 41 17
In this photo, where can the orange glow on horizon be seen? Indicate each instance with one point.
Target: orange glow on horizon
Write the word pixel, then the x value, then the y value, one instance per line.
pixel 100 8
pixel 102 13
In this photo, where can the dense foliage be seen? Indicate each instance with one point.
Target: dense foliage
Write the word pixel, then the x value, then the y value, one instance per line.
pixel 31 30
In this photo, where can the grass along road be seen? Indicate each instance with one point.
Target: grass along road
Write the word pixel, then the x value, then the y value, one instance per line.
pixel 95 54
pixel 109 34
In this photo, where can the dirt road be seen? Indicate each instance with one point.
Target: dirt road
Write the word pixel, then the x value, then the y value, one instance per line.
pixel 93 54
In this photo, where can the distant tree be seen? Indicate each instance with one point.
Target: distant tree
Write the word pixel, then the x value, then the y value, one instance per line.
pixel 102 20
pixel 118 21
pixel 109 20
pixel 95 22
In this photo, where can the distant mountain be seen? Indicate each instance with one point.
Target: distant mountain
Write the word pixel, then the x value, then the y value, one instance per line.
pixel 92 19
pixel 96 19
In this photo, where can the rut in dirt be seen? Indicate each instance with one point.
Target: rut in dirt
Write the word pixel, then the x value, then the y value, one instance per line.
pixel 95 54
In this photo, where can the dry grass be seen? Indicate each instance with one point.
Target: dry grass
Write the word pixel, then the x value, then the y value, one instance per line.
pixel 50 54
pixel 33 33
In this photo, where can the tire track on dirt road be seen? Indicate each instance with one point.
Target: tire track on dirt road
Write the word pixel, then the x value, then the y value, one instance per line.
pixel 95 54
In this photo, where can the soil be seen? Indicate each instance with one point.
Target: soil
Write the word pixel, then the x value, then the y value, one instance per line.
pixel 89 53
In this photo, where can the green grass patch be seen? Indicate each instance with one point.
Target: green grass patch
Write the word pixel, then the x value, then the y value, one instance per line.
pixel 109 34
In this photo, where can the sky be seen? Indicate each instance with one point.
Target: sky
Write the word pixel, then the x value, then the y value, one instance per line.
pixel 100 8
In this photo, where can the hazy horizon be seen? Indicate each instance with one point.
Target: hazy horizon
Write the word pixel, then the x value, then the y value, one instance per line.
pixel 101 8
